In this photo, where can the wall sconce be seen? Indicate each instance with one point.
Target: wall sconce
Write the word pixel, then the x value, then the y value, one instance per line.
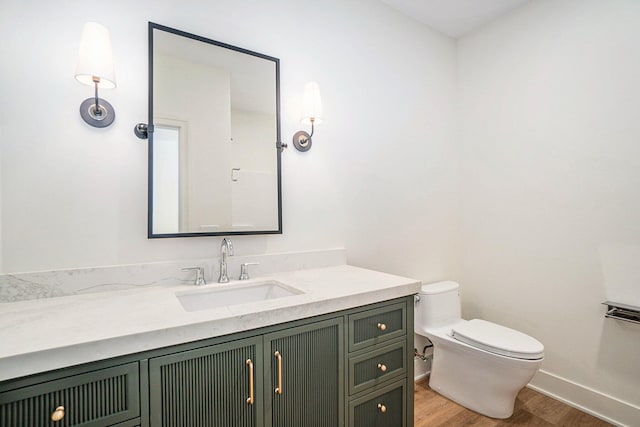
pixel 311 114
pixel 95 68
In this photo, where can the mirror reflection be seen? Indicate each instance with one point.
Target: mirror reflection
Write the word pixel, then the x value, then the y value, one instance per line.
pixel 214 165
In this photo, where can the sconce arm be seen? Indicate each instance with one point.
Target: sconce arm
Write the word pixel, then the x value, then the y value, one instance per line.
pixel 312 128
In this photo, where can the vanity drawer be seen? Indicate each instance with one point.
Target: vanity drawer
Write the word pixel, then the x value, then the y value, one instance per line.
pixel 376 326
pixel 384 408
pixel 377 366
pixel 99 398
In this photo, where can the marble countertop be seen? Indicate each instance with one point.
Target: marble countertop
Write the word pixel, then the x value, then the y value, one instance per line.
pixel 45 334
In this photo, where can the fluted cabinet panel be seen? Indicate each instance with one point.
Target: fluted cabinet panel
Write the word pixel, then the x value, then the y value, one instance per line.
pixel 311 376
pixel 205 387
pixel 376 326
pixel 377 366
pixel 100 398
pixel 384 409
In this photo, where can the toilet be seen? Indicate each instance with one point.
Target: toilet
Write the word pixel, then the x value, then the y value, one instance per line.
pixel 478 364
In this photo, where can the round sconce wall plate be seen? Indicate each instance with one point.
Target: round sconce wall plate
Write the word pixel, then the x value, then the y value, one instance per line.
pixel 88 112
pixel 302 141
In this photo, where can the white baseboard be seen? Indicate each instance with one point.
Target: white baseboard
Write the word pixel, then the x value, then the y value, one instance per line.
pixel 598 404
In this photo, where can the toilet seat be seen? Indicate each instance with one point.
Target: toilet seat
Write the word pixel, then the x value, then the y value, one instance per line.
pixel 498 339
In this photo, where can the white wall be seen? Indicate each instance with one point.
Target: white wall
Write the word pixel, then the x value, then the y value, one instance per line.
pixel 396 164
pixel 75 196
pixel 550 132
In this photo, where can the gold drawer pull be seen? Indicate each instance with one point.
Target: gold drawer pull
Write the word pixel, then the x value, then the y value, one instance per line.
pixel 279 356
pixel 382 408
pixel 251 397
pixel 58 414
pixel 382 326
pixel 382 367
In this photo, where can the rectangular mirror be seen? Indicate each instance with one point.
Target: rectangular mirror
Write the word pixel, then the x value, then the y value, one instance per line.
pixel 214 156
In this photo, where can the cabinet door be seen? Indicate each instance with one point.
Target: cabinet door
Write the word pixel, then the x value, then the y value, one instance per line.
pixel 94 399
pixel 386 407
pixel 377 326
pixel 305 367
pixel 208 387
pixel 377 366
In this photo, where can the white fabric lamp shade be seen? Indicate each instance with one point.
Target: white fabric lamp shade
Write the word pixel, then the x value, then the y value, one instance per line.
pixel 95 57
pixel 311 104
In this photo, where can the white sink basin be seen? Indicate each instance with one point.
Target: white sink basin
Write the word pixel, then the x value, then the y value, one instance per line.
pixel 213 297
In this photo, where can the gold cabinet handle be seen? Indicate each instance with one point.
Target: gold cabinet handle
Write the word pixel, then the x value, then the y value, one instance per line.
pixel 382 367
pixel 58 414
pixel 382 326
pixel 279 357
pixel 382 408
pixel 251 397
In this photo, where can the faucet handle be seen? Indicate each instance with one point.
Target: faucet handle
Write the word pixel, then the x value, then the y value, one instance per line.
pixel 244 271
pixel 199 275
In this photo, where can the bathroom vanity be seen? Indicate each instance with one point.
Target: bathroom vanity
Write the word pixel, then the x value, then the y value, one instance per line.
pixel 339 353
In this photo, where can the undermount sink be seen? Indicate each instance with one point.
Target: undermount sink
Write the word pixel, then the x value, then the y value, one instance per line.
pixel 234 294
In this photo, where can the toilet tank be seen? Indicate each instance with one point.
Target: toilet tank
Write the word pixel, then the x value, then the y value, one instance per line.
pixel 438 306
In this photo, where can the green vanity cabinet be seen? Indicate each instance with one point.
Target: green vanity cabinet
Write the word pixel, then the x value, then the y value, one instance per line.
pixel 305 375
pixel 97 398
pixel 296 381
pixel 380 365
pixel 386 407
pixel 377 365
pixel 378 325
pixel 350 368
pixel 210 386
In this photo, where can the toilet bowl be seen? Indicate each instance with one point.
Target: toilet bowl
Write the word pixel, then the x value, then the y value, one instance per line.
pixel 478 364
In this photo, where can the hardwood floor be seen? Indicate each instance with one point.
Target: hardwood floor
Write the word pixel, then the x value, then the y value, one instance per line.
pixel 532 409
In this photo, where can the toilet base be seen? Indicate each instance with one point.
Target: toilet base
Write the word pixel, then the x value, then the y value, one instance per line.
pixel 484 382
pixel 497 408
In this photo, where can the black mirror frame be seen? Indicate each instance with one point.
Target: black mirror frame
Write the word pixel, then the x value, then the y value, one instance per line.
pixel 150 128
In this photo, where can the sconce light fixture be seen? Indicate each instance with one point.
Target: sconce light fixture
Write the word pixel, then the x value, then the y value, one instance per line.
pixel 95 68
pixel 311 114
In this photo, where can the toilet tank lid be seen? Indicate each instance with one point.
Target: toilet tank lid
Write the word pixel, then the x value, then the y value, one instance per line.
pixel 498 339
pixel 439 287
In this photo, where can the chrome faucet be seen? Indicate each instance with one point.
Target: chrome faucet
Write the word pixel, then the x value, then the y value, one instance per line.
pixel 226 249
